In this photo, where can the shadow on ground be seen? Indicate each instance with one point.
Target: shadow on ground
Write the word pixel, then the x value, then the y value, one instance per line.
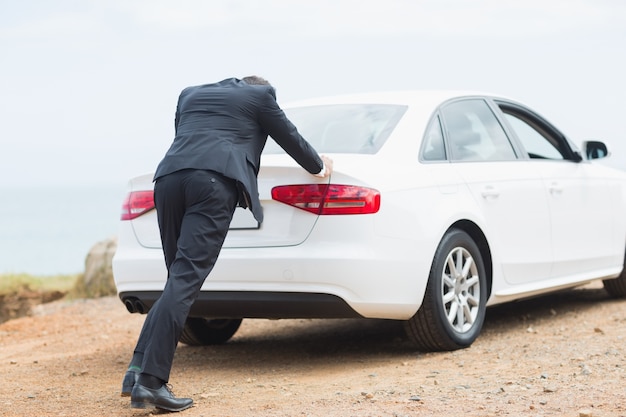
pixel 279 343
pixel 519 315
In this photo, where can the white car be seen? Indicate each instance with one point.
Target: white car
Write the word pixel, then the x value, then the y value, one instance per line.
pixel 441 204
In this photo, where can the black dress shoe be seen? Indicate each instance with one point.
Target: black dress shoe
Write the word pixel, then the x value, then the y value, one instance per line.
pixel 142 397
pixel 130 379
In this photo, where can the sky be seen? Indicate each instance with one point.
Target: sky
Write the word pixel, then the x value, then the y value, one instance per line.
pixel 88 88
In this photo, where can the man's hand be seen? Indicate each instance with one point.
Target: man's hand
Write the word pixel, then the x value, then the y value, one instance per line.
pixel 328 164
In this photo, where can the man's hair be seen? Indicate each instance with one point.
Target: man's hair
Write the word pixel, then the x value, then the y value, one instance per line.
pixel 255 80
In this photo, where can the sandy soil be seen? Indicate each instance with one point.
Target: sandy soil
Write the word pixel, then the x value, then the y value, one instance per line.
pixel 561 355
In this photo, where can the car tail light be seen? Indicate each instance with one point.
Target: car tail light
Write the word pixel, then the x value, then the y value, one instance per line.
pixel 329 198
pixel 136 204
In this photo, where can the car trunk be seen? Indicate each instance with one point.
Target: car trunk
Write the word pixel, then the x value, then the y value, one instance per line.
pixel 283 225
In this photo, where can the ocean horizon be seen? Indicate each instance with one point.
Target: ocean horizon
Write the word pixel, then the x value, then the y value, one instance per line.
pixel 49 230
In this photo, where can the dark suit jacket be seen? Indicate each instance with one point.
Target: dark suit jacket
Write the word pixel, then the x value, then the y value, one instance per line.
pixel 224 126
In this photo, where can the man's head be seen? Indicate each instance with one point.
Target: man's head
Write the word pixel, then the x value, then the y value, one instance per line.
pixel 255 80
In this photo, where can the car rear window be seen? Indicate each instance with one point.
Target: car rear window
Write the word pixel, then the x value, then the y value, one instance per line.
pixel 344 128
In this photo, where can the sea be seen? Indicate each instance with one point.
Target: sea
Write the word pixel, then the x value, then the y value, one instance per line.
pixel 49 230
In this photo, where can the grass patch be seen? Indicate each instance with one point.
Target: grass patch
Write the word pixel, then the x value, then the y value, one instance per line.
pixel 12 283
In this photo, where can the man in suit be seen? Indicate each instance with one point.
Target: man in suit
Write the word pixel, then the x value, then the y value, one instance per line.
pixel 210 168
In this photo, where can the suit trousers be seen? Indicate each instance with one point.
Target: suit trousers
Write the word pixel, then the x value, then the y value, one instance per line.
pixel 194 210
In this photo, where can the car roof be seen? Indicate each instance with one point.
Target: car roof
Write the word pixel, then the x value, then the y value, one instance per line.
pixel 408 97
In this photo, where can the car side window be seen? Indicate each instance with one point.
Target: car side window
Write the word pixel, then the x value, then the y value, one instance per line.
pixel 474 133
pixel 433 148
pixel 538 144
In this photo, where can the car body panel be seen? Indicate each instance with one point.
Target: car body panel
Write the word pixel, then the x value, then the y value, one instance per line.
pixel 583 218
pixel 522 243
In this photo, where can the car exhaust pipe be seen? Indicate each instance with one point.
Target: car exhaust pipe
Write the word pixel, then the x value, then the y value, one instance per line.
pixel 130 305
pixel 135 305
pixel 140 307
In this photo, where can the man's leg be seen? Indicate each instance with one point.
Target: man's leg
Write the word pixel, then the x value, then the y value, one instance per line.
pixel 170 207
pixel 210 201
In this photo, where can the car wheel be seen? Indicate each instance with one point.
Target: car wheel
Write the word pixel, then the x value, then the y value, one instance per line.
pixel 453 310
pixel 616 287
pixel 199 331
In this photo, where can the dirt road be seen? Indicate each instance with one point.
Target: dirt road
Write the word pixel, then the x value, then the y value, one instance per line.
pixel 561 355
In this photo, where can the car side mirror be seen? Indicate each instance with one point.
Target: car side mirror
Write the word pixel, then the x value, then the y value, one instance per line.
pixel 594 149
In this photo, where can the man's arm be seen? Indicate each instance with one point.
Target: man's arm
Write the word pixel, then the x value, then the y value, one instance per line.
pixel 275 123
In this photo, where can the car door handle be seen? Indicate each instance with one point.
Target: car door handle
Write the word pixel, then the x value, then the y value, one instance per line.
pixel 490 192
pixel 555 188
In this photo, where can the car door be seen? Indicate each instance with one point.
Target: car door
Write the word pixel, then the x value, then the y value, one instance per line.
pixel 582 216
pixel 507 191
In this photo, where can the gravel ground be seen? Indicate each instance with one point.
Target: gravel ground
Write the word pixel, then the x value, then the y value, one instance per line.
pixel 560 355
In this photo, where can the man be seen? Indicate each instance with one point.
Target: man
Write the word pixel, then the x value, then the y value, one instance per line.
pixel 210 168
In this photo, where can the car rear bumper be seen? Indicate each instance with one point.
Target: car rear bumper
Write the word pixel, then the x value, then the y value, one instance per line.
pixel 251 304
pixel 368 278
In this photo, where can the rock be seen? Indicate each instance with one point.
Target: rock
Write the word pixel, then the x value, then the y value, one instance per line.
pixel 97 280
pixel 585 370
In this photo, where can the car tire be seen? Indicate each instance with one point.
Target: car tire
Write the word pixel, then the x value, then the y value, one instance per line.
pixel 199 331
pixel 453 310
pixel 616 287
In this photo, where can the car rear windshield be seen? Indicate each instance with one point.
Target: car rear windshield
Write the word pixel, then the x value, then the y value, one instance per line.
pixel 344 128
